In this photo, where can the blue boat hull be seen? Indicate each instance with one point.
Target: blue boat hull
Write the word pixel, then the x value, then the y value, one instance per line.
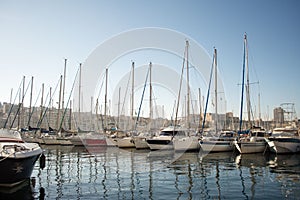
pixel 16 170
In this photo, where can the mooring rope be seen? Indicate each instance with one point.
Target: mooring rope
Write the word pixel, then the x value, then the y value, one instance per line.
pixel 6 156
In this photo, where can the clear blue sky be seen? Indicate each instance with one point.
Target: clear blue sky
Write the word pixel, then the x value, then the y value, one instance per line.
pixel 36 36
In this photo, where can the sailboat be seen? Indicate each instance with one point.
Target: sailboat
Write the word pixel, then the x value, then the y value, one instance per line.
pixel 214 142
pixel 88 138
pixel 188 141
pixel 140 140
pixel 166 138
pixel 127 141
pixel 254 139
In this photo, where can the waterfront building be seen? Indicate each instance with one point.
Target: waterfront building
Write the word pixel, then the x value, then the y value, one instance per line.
pixel 278 115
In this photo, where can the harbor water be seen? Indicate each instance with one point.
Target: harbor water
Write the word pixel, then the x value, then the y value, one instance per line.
pixel 113 173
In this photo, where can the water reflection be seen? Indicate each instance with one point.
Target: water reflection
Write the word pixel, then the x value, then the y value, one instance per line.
pixel 251 168
pixel 21 191
pixel 216 170
pixel 185 168
pixel 111 173
pixel 287 173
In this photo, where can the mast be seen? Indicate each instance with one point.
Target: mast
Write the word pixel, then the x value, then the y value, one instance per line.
pixel 119 100
pixel 216 90
pixel 64 85
pixel 10 104
pixel 50 106
pixel 91 120
pixel 42 102
pixel 69 99
pixel 59 102
pixel 105 98
pixel 226 125
pixel 247 84
pixel 22 103
pixel 97 115
pixel 10 98
pixel 174 111
pixel 184 108
pixel 30 101
pixel 150 95
pixel 70 116
pixel 188 85
pixel 200 108
pixel 18 113
pixel 207 96
pixel 132 95
pixel 11 109
pixel 259 112
pixel 243 83
pixel 79 95
pixel 140 107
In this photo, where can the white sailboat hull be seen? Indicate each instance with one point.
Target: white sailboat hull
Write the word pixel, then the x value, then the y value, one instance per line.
pixel 161 147
pixel 126 142
pixel 111 142
pixel 160 143
pixel 216 146
pixel 140 143
pixel 186 144
pixel 252 147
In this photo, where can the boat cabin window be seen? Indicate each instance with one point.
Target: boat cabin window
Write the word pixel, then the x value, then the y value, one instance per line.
pixel 258 134
pixel 170 133
pixel 230 134
pixel 166 133
pixel 180 133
